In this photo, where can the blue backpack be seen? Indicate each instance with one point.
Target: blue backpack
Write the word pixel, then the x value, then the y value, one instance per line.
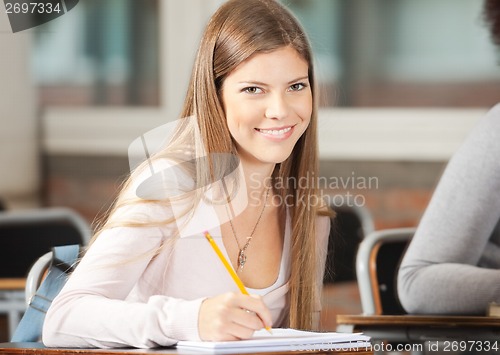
pixel 64 259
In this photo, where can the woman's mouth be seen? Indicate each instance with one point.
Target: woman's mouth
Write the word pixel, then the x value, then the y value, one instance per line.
pixel 276 133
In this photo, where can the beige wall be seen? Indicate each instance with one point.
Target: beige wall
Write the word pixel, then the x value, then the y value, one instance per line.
pixel 19 173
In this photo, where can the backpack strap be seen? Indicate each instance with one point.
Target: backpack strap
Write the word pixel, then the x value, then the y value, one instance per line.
pixel 64 259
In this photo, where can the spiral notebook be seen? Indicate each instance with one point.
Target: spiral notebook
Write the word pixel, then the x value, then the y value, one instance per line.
pixel 283 340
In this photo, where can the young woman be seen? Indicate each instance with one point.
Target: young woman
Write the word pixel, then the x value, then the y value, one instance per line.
pixel 142 283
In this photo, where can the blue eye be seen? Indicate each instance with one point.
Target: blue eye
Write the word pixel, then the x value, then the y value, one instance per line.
pixel 252 90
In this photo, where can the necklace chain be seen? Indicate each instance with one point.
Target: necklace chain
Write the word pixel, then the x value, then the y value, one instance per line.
pixel 242 257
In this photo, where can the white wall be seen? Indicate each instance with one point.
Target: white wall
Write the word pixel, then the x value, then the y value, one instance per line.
pixel 19 173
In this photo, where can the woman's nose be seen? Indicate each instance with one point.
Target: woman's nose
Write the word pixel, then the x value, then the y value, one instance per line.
pixel 277 107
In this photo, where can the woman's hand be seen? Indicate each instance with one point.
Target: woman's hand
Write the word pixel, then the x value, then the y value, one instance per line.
pixel 232 316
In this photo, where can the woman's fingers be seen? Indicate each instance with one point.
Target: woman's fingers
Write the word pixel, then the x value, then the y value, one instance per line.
pixel 232 316
pixel 256 305
pixel 247 319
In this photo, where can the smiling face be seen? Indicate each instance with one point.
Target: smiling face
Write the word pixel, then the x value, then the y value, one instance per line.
pixel 268 104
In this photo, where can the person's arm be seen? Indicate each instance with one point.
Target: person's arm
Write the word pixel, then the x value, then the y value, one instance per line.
pixel 92 310
pixel 439 273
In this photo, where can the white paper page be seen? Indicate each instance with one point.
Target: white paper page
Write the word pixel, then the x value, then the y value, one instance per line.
pixel 283 339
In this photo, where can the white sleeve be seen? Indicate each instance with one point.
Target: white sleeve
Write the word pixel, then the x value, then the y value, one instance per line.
pixel 91 310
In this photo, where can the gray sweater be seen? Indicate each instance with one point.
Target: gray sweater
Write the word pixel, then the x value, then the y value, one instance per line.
pixel 452 265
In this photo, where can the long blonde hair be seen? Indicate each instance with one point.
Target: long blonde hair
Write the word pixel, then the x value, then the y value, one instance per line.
pixel 238 30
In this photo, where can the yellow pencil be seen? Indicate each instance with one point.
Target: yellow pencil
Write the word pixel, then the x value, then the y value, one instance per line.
pixel 229 268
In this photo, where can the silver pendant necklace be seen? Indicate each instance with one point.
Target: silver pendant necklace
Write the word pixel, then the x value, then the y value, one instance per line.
pixel 242 257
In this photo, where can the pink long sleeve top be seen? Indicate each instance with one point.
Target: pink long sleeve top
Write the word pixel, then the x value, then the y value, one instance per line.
pixel 122 294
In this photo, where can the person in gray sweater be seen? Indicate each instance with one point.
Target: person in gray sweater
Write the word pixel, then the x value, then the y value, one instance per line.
pixel 452 265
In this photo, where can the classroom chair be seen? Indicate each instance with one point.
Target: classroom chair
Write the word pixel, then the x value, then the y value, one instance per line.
pixel 24 236
pixel 377 263
pixel 348 228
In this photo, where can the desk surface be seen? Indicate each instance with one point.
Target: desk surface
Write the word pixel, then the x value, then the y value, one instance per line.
pixel 414 320
pixel 39 349
pixel 411 328
pixel 12 284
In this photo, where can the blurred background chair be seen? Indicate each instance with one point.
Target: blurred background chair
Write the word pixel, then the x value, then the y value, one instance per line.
pixel 350 225
pixel 3 205
pixel 24 236
pixel 340 290
pixel 377 263
pixel 36 274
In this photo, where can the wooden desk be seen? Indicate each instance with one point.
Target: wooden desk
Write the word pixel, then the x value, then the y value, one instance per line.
pixel 12 284
pixel 412 328
pixel 39 349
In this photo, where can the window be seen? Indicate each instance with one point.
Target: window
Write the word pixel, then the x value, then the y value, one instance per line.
pixel 102 53
pixel 402 53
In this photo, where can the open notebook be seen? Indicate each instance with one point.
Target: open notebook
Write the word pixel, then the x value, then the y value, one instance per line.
pixel 282 340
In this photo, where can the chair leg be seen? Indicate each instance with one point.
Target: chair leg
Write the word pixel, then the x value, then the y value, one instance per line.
pixel 14 318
